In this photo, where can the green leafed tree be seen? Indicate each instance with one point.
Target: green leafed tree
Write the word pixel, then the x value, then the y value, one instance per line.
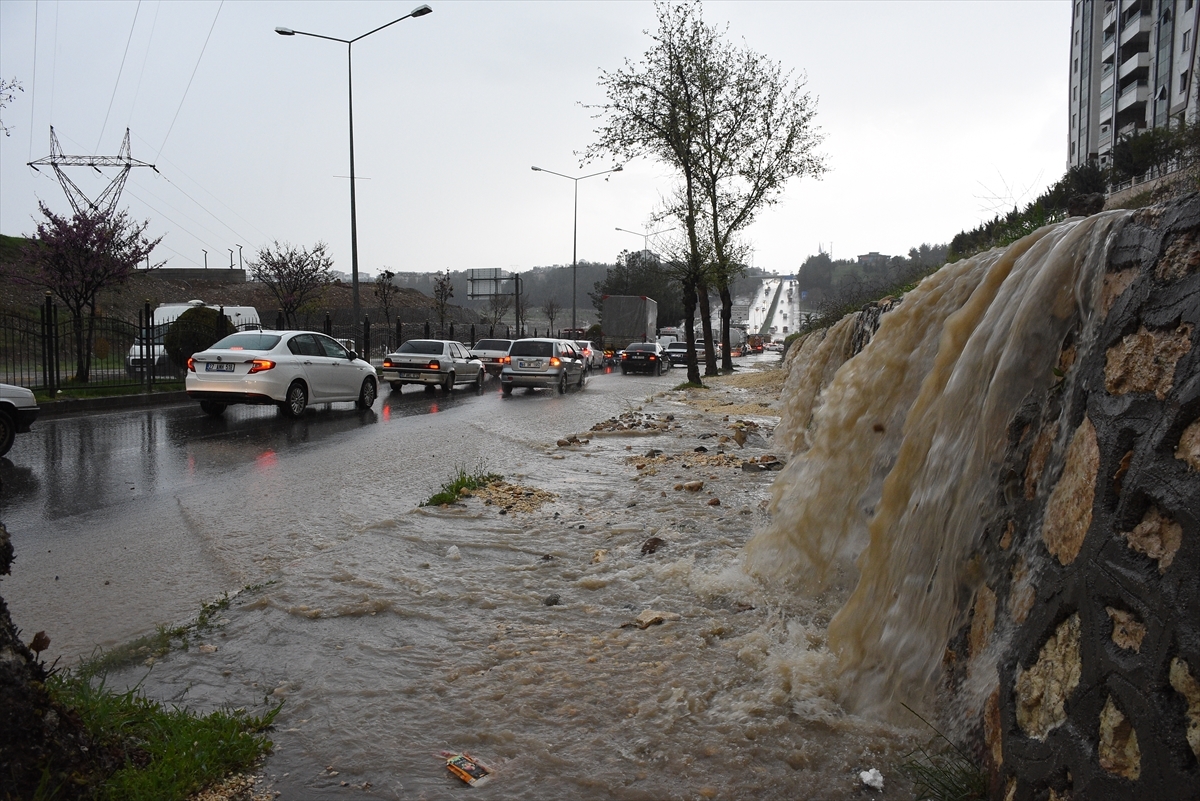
pixel 295 275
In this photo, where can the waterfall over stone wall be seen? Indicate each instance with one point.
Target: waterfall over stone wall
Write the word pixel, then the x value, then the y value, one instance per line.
pixel 1004 487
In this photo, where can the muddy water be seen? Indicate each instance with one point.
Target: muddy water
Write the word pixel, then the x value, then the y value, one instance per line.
pixel 898 456
pixel 394 633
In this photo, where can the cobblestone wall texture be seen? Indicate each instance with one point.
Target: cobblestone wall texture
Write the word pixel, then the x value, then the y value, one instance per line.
pixel 1092 564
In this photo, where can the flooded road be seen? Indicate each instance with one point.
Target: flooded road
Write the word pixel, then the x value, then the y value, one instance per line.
pixel 392 632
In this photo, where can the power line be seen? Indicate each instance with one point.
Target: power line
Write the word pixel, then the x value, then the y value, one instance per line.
pixel 215 197
pixel 189 83
pixel 138 91
pixel 120 71
pixel 33 89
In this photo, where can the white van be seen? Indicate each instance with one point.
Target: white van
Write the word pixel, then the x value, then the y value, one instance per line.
pixel 138 360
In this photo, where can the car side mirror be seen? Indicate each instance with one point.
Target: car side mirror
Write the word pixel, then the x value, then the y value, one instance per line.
pixel 351 355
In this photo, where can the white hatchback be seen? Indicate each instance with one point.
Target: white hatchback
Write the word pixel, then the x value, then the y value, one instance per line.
pixel 290 369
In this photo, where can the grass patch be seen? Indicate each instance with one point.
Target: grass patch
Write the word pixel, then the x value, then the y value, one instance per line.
pixel 161 753
pixel 945 772
pixel 462 481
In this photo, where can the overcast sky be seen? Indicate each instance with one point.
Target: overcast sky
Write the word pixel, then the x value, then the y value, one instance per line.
pixel 935 115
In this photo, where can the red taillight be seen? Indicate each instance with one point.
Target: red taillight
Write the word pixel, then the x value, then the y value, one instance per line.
pixel 191 365
pixel 258 365
pixel 555 361
pixel 387 362
pixel 434 364
pixel 504 360
pixel 624 355
pixel 652 358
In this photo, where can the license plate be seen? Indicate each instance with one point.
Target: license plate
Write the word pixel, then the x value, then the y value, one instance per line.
pixel 410 375
pixel 528 365
pixel 214 367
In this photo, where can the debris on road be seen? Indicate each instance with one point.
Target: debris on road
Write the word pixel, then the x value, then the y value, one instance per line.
pixel 467 768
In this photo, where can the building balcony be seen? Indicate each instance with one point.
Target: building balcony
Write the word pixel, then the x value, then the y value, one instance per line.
pixel 1110 19
pixel 1106 82
pixel 1128 4
pixel 1136 29
pixel 1134 94
pixel 1138 65
pixel 1108 54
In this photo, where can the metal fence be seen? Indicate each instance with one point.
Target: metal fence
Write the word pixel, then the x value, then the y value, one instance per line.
pixel 42 351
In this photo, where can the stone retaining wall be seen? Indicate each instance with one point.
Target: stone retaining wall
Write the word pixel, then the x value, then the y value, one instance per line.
pixel 1090 607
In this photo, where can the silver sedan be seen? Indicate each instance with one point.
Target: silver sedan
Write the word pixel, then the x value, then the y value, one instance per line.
pixel 432 363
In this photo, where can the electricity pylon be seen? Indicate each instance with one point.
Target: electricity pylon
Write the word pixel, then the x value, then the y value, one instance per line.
pixel 107 200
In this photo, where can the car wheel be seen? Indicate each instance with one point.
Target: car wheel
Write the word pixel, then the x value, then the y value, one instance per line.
pixel 366 395
pixel 8 432
pixel 214 408
pixel 397 385
pixel 296 400
pixel 506 389
pixel 583 374
pixel 479 382
pixel 562 382
pixel 624 371
pixel 448 382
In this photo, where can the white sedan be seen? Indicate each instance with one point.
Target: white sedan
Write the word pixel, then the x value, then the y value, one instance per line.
pixel 290 369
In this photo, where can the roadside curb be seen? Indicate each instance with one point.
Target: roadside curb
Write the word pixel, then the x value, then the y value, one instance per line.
pixel 71 405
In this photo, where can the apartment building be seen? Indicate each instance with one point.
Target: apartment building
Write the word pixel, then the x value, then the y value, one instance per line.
pixel 1133 65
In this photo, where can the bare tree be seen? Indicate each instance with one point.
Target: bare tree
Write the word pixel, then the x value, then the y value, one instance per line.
pixel 551 308
pixel 520 306
pixel 6 96
pixel 731 123
pixel 385 292
pixel 497 307
pixel 296 276
pixel 77 257
pixel 443 290
pixel 653 109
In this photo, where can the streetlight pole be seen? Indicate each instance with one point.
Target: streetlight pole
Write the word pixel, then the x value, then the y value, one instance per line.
pixel 575 230
pixel 419 11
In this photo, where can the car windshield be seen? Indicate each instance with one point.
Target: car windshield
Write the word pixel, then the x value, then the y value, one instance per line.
pixel 248 340
pixel 531 348
pixel 584 345
pixel 425 346
pixel 650 346
pixel 492 344
pixel 677 346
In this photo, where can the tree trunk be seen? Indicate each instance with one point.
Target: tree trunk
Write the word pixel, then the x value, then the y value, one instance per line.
pixel 726 313
pixel 689 311
pixel 710 358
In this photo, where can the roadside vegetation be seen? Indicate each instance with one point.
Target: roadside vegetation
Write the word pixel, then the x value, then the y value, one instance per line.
pixel 156 752
pixel 138 748
pixel 461 481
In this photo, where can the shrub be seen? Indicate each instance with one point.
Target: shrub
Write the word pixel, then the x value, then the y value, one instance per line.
pixel 195 330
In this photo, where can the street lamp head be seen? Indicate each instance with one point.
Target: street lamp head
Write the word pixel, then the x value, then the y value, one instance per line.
pixel 421 11
pixel 618 168
pixel 536 169
pixel 285 31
